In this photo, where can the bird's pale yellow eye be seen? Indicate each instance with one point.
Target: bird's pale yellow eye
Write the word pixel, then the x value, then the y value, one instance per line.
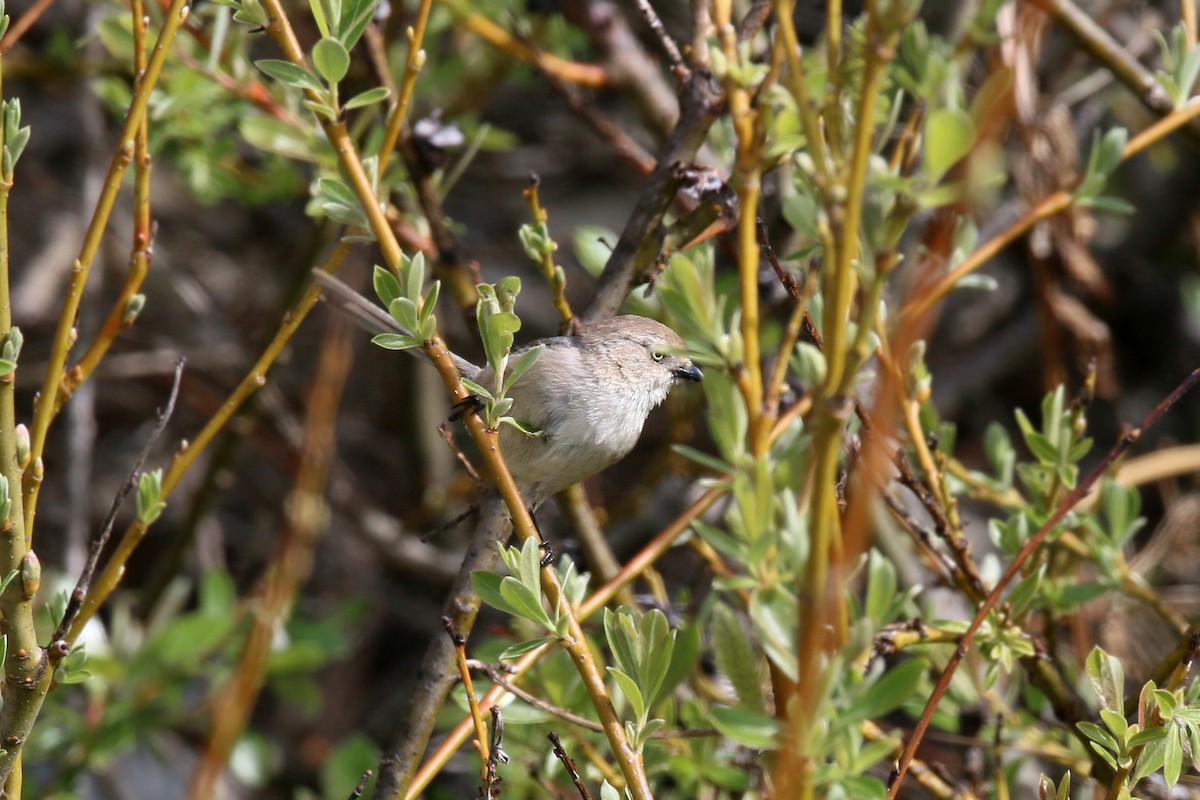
pixel 657 356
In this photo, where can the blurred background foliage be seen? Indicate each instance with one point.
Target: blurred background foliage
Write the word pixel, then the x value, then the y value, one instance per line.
pixel 247 197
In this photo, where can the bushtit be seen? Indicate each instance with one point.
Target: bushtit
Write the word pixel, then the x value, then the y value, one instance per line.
pixel 588 394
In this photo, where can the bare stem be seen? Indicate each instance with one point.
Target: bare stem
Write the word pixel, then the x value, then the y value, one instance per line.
pixel 1027 549
pixel 412 65
pixel 306 520
pixel 126 144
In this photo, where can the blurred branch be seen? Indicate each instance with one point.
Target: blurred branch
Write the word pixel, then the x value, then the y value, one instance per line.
pixel 24 23
pixel 126 308
pixel 630 68
pixel 1099 44
pixel 637 248
pixel 186 456
pixel 412 65
pixel 59 647
pixel 1054 204
pixel 1031 544
pixel 306 520
pixel 572 71
pixel 436 675
pixel 73 295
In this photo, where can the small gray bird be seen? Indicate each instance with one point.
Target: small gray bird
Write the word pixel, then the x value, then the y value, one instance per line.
pixel 588 394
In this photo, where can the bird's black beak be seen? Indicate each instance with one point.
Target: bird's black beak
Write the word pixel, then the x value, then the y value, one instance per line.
pixel 689 373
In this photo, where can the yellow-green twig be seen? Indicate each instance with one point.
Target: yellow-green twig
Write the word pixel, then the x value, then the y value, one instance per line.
pixel 412 65
pixel 63 334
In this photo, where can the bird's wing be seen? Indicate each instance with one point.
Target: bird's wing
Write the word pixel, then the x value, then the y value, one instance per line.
pixel 370 316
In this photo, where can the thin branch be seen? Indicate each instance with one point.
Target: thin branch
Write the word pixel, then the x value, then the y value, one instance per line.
pixel 496 675
pixel 1027 549
pixel 572 71
pixel 22 24
pixel 361 786
pixel 1054 204
pixel 58 644
pixel 459 643
pixel 1099 44
pixel 412 65
pixel 47 405
pixel 569 764
pixel 637 249
pixel 664 39
pixel 187 454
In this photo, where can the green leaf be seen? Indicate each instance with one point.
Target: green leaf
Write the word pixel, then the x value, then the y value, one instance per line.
pixel 149 504
pixel 331 59
pixel 193 637
pixel 1173 756
pixel 736 657
pixel 949 134
pixel 531 567
pixel 395 341
pixel 1142 738
pixel 776 621
pixel 413 271
pixel 881 587
pixel 800 211
pixel 318 11
pixel 1024 592
pixel 524 603
pixel 518 650
pixel 290 74
pixel 387 288
pixel 325 110
pixel 1042 448
pixel 1108 679
pixel 487 586
pixel 356 15
pixel 404 311
pixel 1098 735
pixel 657 645
pixel 749 728
pixel 519 367
pixel 1115 722
pixel 368 98
pixel 623 650
pixel 632 692
pixel 592 253
pixel 703 459
pixel 888 693
pixel 1153 755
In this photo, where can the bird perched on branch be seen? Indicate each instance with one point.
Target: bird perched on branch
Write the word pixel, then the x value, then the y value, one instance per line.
pixel 586 397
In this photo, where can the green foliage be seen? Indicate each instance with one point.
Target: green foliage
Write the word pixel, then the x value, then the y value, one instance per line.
pixel 1181 64
pixel 498 324
pixel 149 502
pixel 1103 160
pixel 410 304
pixel 147 680
pixel 651 660
pixel 520 592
